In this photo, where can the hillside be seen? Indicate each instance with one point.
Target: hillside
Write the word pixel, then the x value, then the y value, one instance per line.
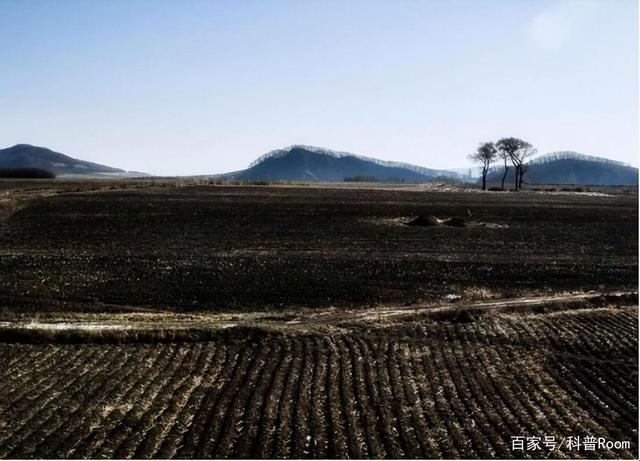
pixel 572 168
pixel 306 163
pixel 28 156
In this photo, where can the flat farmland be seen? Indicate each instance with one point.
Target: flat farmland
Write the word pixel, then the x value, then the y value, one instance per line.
pixel 218 248
pixel 156 321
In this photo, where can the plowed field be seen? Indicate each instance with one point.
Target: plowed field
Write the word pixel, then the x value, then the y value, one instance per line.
pixel 428 389
pixel 281 322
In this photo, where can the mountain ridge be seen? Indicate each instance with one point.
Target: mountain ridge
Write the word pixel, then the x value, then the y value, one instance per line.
pixel 569 167
pixel 30 156
pixel 310 163
pixel 300 162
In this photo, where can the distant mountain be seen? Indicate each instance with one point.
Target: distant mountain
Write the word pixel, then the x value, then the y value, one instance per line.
pixel 308 163
pixel 28 156
pixel 571 168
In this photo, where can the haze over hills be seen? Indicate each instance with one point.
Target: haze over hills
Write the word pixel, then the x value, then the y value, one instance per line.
pixel 569 167
pixel 28 156
pixel 308 163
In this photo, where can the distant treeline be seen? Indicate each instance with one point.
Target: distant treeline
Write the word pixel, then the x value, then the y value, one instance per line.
pixel 366 178
pixel 570 155
pixel 26 173
pixel 396 180
pixel 361 178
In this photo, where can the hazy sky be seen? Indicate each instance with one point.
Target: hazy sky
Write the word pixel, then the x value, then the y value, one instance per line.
pixel 181 87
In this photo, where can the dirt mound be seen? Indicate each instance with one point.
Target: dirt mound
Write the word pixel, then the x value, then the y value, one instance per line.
pixel 433 221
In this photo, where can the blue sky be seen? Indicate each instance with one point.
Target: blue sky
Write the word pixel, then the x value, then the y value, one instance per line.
pixel 188 87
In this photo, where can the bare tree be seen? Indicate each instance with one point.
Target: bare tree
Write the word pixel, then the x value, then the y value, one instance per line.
pixel 521 158
pixel 485 154
pixel 505 158
pixel 518 151
pixel 523 168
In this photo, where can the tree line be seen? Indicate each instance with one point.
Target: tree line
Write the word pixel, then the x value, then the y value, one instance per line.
pixel 26 173
pixel 509 150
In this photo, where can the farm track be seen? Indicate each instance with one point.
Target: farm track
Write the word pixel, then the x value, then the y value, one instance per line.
pixel 426 389
pixel 166 326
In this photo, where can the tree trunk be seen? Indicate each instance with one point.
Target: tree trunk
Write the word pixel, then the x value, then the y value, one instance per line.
pixel 517 176
pixel 520 180
pixel 504 176
pixel 484 178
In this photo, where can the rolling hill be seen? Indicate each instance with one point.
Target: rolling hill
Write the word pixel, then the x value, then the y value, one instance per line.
pixel 307 163
pixel 568 167
pixel 28 156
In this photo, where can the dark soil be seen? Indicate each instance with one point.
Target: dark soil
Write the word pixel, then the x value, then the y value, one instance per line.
pixel 454 382
pixel 457 389
pixel 257 247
